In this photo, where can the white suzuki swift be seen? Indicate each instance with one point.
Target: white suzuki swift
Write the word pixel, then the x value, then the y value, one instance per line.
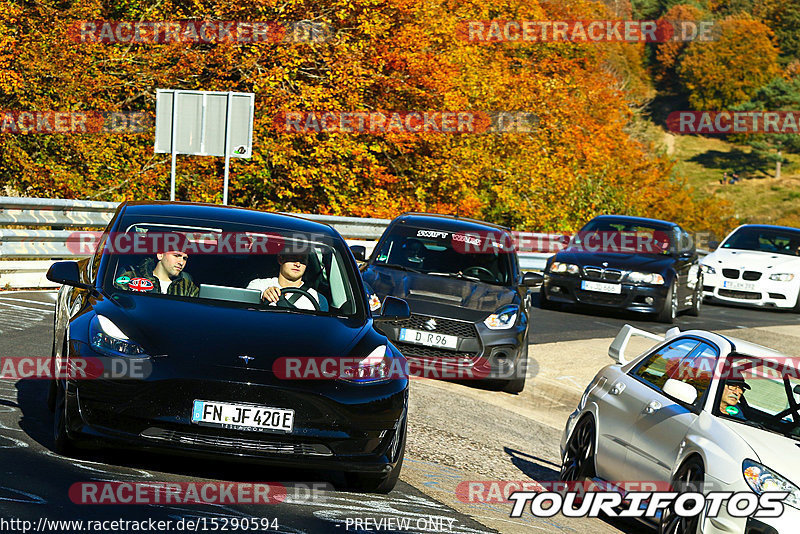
pixel 756 265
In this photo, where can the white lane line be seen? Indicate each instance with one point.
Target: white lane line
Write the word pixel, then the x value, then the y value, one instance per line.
pixel 25 308
pixel 50 304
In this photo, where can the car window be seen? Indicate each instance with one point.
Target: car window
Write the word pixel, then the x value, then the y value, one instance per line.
pixel 232 264
pixel 623 236
pixel 697 369
pixel 659 366
pixel 483 256
pixel 775 240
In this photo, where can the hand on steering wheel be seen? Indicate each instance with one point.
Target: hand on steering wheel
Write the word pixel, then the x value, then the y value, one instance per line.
pixel 480 269
pixel 303 292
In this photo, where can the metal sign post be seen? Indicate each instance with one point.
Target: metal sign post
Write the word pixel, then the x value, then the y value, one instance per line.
pixel 204 123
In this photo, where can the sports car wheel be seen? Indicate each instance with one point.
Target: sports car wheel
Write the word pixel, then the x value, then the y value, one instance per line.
pixel 63 444
pixel 697 299
pixel 688 478
pixel 516 385
pixel 669 310
pixel 578 461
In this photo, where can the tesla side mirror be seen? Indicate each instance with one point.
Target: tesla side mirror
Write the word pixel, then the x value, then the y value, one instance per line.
pixel 66 273
pixel 682 391
pixel 360 252
pixel 393 309
pixel 532 279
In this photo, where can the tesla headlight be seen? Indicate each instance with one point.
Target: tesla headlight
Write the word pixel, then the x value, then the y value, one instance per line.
pixel 504 318
pixel 564 268
pixel 708 269
pixel 373 368
pixel 106 337
pixel 782 277
pixel 645 278
pixel 760 479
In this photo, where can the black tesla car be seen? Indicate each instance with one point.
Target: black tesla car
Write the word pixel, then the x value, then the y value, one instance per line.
pixel 186 345
pixel 469 300
pixel 630 263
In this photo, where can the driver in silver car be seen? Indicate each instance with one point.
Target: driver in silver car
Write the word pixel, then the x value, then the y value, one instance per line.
pixel 731 395
pixel 292 269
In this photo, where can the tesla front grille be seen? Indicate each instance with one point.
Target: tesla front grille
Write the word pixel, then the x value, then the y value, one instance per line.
pixel 730 273
pixel 751 275
pixel 256 445
pixel 439 325
pixel 731 293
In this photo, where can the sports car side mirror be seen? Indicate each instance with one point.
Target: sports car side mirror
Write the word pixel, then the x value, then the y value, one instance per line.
pixel 532 279
pixel 360 252
pixel 713 245
pixel 682 391
pixel 393 309
pixel 66 273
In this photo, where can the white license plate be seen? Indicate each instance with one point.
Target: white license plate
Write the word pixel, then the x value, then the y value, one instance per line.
pixel 603 287
pixel 727 284
pixel 242 416
pixel 429 339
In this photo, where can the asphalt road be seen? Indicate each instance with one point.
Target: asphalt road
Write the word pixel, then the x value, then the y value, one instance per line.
pixel 549 326
pixel 35 481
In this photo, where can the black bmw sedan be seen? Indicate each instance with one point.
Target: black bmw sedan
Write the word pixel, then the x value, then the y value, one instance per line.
pixel 189 313
pixel 469 301
pixel 630 263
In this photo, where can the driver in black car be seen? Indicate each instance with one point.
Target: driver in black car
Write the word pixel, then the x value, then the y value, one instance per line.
pixel 292 269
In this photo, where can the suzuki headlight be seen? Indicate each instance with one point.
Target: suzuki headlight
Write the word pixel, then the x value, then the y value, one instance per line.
pixel 505 317
pixel 761 479
pixel 782 277
pixel 708 269
pixel 106 338
pixel 564 268
pixel 645 278
pixel 371 369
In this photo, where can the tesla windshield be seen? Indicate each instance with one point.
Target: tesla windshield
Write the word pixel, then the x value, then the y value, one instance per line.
pixel 480 256
pixel 776 240
pixel 236 264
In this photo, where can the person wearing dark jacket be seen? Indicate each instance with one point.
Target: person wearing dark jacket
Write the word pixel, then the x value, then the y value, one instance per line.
pixel 165 277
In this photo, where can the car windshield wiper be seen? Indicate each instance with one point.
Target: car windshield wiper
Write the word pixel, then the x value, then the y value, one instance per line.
pixel 460 276
pixel 401 267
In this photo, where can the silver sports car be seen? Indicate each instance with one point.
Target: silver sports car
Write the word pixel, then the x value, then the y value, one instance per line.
pixel 699 411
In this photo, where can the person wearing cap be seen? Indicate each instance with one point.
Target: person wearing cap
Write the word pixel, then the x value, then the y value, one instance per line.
pixel 292 269
pixel 731 395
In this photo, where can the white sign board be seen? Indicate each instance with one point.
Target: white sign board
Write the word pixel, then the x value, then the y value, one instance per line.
pixel 204 123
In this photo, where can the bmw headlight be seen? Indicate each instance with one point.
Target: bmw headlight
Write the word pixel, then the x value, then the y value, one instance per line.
pixel 645 278
pixel 564 268
pixel 782 277
pixel 761 479
pixel 708 269
pixel 371 369
pixel 504 318
pixel 106 337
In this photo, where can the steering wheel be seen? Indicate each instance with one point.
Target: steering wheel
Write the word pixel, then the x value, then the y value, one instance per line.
pixel 297 290
pixel 480 269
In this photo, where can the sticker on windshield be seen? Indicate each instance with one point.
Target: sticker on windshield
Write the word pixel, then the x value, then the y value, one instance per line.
pixel 732 410
pixel 140 284
pixel 122 280
pixel 432 233
pixel 374 303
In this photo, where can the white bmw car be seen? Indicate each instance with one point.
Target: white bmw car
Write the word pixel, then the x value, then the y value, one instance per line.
pixel 698 411
pixel 756 265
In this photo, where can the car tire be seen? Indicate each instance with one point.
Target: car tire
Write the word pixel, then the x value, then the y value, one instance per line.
pixel 365 483
pixel 796 308
pixel 689 477
pixel 669 309
pixel 578 461
pixel 63 443
pixel 697 299
pixel 51 390
pixel 516 385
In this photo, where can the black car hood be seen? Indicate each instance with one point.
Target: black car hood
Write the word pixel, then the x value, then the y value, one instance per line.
pixel 439 295
pixel 215 334
pixel 629 262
